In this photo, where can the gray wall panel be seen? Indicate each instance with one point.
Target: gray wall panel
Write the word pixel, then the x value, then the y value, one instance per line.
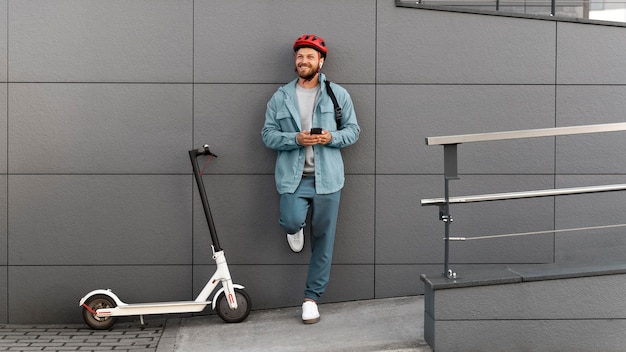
pixel 3 248
pixel 355 239
pixel 3 220
pixel 502 217
pixel 46 299
pixel 407 114
pixel 588 104
pixel 4 295
pixel 101 41
pixel 405 231
pixel 421 46
pixel 3 40
pixel 590 54
pixel 4 129
pixel 401 279
pixel 245 212
pixel 591 153
pixel 251 42
pixel 229 117
pixel 99 219
pixel 350 282
pixel 587 210
pixel 99 128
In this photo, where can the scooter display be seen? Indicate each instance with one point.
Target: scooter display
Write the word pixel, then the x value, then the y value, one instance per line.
pixel 231 302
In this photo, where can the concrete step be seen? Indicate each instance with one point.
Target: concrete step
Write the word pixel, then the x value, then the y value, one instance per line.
pixel 531 308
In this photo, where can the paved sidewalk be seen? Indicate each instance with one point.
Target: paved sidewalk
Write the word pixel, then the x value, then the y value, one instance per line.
pixel 125 336
pixel 391 324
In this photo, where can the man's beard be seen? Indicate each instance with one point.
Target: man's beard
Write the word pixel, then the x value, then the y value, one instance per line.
pixel 308 74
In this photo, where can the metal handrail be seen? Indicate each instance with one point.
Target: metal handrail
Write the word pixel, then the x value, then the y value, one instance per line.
pixel 450 144
pixel 525 194
pixel 540 132
pixel 490 237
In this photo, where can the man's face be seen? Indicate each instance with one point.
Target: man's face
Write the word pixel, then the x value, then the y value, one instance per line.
pixel 308 62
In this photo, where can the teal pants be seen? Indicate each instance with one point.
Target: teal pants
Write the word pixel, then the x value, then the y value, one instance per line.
pixel 324 210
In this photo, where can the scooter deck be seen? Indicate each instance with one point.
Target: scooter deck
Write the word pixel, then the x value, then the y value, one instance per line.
pixel 154 308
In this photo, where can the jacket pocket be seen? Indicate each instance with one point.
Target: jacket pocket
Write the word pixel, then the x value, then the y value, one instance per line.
pixel 286 121
pixel 327 116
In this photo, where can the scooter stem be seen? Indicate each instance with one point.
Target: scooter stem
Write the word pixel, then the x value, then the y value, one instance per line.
pixel 193 155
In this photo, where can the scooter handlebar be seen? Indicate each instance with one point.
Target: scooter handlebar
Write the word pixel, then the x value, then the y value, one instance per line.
pixel 204 150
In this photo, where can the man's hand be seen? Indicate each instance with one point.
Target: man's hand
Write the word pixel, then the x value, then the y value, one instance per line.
pixel 305 138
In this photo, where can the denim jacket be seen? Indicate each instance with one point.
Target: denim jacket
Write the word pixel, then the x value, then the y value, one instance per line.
pixel 282 125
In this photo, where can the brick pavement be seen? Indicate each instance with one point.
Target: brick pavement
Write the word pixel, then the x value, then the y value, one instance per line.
pixel 124 336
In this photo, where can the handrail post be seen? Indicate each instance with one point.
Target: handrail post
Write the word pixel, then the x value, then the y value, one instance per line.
pixel 450 171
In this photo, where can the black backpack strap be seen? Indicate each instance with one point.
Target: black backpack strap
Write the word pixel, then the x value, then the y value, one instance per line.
pixel 338 113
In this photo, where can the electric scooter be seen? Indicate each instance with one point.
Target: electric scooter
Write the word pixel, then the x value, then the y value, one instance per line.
pixel 232 303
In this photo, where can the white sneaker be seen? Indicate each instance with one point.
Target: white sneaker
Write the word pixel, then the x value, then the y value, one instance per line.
pixel 310 314
pixel 296 241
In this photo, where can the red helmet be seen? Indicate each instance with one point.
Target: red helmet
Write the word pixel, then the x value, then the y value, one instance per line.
pixel 311 41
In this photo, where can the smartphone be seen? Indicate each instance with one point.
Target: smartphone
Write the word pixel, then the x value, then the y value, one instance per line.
pixel 316 130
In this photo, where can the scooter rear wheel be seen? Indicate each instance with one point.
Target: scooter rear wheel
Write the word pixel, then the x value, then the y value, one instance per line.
pixel 234 315
pixel 97 302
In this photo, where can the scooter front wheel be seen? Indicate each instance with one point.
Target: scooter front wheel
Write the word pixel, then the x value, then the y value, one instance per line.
pixel 234 315
pixel 94 303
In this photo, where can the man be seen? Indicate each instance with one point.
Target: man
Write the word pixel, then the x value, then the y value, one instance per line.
pixel 300 124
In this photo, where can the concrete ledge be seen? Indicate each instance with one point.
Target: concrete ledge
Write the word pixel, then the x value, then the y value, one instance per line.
pixel 543 308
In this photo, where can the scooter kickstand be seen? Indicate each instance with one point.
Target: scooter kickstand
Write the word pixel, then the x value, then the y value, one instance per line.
pixel 141 320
